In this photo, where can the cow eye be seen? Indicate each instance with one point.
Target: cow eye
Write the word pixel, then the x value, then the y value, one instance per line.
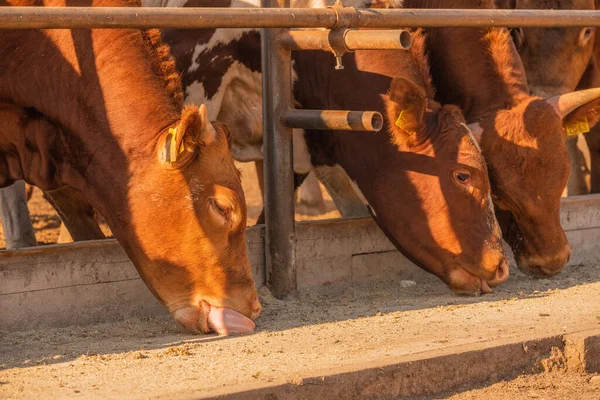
pixel 220 207
pixel 585 35
pixel 222 211
pixel 463 178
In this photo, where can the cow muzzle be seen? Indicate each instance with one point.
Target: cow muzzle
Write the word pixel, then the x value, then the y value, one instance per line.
pixel 465 283
pixel 544 266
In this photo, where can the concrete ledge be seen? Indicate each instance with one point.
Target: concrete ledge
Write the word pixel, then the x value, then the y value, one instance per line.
pixel 91 282
pixel 429 373
pixel 580 212
pixel 582 352
pixel 83 283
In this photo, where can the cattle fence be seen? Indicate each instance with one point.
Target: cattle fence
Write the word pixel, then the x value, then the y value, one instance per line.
pixel 276 19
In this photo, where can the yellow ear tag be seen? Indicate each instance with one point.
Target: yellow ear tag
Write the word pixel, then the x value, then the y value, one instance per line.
pixel 173 153
pixel 401 121
pixel 578 127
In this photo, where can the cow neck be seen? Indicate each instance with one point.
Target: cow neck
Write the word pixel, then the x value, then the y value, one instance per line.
pixel 107 87
pixel 110 103
pixel 481 75
pixel 477 69
pixel 110 98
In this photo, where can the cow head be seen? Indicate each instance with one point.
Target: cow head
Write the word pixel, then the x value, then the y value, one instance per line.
pixel 525 148
pixel 555 59
pixel 180 214
pixel 189 215
pixel 444 181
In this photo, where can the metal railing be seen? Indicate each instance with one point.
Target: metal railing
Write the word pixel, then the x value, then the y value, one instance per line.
pixel 279 117
pixel 348 17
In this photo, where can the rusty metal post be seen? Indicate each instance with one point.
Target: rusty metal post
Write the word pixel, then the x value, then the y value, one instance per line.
pixel 280 240
pixel 334 120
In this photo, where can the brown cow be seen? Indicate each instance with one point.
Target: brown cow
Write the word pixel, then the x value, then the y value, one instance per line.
pixel 591 79
pixel 557 61
pixel 162 175
pixel 521 135
pixel 423 175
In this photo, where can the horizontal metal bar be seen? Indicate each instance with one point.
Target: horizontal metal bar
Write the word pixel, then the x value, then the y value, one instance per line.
pixel 334 120
pixel 348 17
pixel 377 39
pixel 352 39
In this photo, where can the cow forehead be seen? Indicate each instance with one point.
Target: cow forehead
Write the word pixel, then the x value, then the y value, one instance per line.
pixel 469 152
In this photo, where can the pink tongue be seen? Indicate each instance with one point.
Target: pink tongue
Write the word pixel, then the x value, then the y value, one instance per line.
pixel 485 288
pixel 225 321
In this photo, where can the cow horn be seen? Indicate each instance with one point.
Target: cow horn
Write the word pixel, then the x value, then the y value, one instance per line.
pixel 565 104
pixel 476 130
pixel 208 133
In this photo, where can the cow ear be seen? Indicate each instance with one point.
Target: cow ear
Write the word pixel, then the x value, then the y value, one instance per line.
pixel 179 144
pixel 405 109
pixel 196 127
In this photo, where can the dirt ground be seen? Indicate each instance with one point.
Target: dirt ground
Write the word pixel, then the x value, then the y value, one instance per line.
pixel 47 223
pixel 153 358
pixel 551 386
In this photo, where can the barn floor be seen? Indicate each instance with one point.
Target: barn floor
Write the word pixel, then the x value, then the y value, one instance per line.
pixel 311 335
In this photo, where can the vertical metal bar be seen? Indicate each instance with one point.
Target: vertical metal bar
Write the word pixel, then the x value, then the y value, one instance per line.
pixel 279 176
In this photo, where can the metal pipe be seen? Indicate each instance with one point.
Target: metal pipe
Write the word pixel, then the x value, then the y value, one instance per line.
pixel 372 39
pixel 280 240
pixel 305 40
pixel 334 120
pixel 347 17
pixel 352 40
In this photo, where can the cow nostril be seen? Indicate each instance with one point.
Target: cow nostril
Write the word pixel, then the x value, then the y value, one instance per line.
pixel 256 307
pixel 502 273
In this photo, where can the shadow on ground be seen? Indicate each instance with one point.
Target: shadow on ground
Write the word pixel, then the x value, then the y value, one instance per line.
pixel 135 335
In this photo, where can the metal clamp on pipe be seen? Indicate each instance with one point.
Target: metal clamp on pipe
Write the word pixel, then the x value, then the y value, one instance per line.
pixel 338 46
pixel 335 120
pixel 353 39
pixel 336 35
